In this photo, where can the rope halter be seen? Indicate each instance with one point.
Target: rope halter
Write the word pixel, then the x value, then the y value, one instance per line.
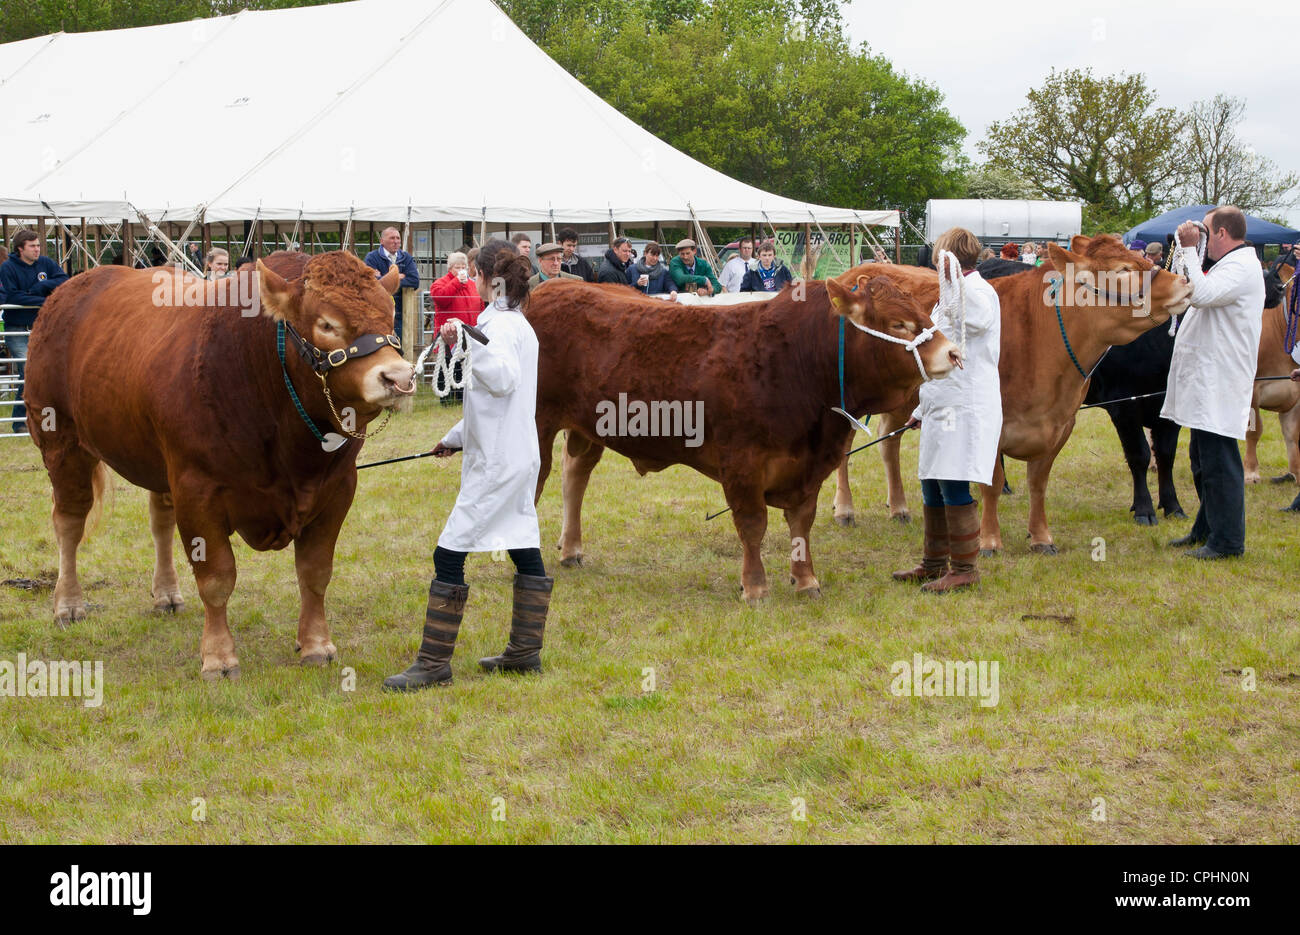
pixel 911 346
pixel 952 293
pixel 444 365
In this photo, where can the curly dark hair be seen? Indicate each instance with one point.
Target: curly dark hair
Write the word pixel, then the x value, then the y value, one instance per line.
pixel 510 272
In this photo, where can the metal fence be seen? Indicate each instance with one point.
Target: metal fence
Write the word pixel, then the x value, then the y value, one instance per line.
pixel 11 380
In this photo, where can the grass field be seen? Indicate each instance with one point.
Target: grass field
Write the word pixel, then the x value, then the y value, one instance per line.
pixel 1127 688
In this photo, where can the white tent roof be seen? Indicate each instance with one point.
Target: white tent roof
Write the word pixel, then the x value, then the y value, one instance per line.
pixel 312 112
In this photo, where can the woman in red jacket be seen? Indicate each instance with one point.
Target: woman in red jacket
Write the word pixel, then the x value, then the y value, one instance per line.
pixel 455 295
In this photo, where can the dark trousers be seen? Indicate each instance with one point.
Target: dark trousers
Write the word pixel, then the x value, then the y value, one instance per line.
pixel 449 565
pixel 946 492
pixel 1221 485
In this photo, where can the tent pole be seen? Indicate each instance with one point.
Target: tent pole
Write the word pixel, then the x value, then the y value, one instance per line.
pixel 4 230
pixel 898 239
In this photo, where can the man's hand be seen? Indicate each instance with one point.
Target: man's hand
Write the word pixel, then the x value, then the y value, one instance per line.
pixel 1295 375
pixel 448 333
pixel 1189 234
pixel 703 289
pixel 914 423
pixel 442 451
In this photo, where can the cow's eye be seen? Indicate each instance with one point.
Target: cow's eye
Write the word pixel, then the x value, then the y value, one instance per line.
pixel 325 326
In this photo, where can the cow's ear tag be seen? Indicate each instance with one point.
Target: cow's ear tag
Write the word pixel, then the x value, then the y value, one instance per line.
pixel 333 441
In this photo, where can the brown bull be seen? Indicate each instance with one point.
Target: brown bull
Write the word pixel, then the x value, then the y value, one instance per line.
pixel 764 377
pixel 1042 386
pixel 189 401
pixel 1280 396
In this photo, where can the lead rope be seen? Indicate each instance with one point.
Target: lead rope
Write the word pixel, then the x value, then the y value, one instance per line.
pixel 1176 264
pixel 952 293
pixel 444 366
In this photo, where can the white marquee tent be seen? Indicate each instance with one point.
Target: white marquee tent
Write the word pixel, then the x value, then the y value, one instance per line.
pixel 311 114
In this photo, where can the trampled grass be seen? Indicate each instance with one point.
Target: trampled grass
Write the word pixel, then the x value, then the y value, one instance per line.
pixel 1130 691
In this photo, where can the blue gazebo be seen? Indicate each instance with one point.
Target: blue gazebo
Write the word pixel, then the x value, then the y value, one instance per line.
pixel 1258 231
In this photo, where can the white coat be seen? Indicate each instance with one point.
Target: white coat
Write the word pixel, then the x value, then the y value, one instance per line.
pixel 961 413
pixel 498 474
pixel 1216 350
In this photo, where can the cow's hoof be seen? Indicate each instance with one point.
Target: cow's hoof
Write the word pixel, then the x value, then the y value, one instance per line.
pixel 319 657
pixel 217 674
pixel 1252 478
pixel 1175 513
pixel 901 517
pixel 754 598
pixel 69 614
pixel 573 561
pixel 169 605
pixel 1044 548
pixel 812 594
pixel 988 553
pixel 1145 519
pixel 1287 478
pixel 844 519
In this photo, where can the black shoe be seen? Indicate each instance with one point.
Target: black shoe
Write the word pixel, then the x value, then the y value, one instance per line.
pixel 1205 553
pixel 1183 542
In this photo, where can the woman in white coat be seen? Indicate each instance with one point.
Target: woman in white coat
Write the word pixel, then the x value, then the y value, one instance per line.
pixel 498 480
pixel 961 419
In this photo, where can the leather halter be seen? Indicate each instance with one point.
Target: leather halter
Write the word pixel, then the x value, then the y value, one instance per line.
pixel 322 362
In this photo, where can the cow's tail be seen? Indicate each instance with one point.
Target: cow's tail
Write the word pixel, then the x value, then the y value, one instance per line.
pixel 100 484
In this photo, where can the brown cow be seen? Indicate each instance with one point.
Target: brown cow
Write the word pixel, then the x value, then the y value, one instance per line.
pixel 764 375
pixel 1280 396
pixel 1042 387
pixel 190 402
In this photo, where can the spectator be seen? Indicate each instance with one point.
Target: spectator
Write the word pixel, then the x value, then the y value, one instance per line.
pixel 1029 253
pixel 987 254
pixel 734 270
pixel 471 257
pixel 570 261
pixel 524 244
pixel 1010 252
pixel 246 260
pixel 216 265
pixel 455 295
pixel 1138 245
pixel 925 256
pixel 769 274
pixel 650 275
pixel 878 255
pixel 1155 253
pixel 691 273
pixel 26 278
pixel 617 262
pixel 548 262
pixel 390 252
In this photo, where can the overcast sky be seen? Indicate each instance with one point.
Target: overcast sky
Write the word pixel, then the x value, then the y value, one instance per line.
pixel 985 57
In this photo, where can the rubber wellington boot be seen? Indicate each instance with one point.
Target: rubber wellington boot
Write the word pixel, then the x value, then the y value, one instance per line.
pixel 523 652
pixel 963 549
pixel 432 665
pixel 934 553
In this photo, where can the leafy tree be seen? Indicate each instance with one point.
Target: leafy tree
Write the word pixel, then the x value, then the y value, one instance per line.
pixel 1100 140
pixel 1223 170
pixel 997 182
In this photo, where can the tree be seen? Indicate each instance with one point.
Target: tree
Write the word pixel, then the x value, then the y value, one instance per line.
pixel 993 182
pixel 1099 140
pixel 1223 170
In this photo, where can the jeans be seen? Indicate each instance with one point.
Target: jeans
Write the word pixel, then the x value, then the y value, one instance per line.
pixel 946 492
pixel 17 345
pixel 1221 484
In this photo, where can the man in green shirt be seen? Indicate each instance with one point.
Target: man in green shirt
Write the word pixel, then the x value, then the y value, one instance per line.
pixel 691 273
pixel 548 266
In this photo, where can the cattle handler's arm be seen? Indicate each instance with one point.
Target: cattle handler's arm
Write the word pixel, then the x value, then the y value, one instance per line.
pixel 495 366
pixel 1212 291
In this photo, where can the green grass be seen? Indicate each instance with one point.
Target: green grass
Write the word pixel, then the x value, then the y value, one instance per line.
pixel 1134 700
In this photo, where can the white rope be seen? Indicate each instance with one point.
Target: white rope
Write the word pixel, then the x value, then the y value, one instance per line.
pixel 952 293
pixel 444 367
pixel 911 345
pixel 1178 265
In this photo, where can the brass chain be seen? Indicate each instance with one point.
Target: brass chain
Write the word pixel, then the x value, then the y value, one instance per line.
pixel 324 382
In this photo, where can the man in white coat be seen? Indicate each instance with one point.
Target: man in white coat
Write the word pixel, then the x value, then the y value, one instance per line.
pixel 1212 374
pixel 960 417
pixel 494 509
pixel 733 271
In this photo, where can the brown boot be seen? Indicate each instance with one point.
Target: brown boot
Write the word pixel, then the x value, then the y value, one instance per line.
pixel 934 560
pixel 964 548
pixel 432 665
pixel 523 653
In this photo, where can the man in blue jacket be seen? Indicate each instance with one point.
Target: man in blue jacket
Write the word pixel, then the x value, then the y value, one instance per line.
pixel 390 252
pixel 26 278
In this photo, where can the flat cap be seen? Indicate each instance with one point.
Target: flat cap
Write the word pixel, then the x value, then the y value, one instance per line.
pixel 548 248
pixel 683 244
